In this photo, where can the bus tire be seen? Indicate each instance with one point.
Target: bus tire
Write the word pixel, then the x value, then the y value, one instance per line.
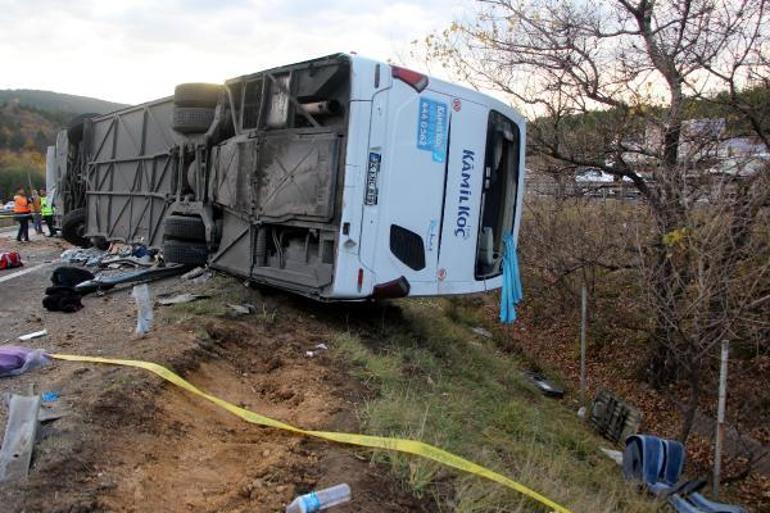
pixel 197 95
pixel 184 228
pixel 185 252
pixel 73 228
pixel 191 120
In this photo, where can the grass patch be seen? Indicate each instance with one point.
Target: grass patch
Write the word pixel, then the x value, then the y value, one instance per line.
pixel 435 381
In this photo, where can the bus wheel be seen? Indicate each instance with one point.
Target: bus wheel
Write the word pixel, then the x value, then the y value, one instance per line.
pixel 185 252
pixel 191 120
pixel 73 228
pixel 197 95
pixel 185 228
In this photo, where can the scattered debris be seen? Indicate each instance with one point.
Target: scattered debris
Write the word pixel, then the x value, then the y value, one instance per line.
pixel 203 278
pixel 612 418
pixel 547 387
pixel 10 259
pixel 19 439
pixel 16 360
pixel 189 275
pixel 90 257
pixel 33 335
pixel 116 262
pixel 319 348
pixel 181 298
pixel 658 464
pixel 141 294
pixel 616 456
pixel 49 412
pixel 104 282
pixel 244 309
pixel 50 397
pixel 62 299
pixel 66 276
pixel 320 500
pixel 478 330
pixel 122 254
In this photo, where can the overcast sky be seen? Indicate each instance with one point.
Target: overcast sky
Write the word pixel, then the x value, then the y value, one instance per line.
pixel 135 50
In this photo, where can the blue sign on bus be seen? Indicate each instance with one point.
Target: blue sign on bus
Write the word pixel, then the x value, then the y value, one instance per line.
pixel 432 127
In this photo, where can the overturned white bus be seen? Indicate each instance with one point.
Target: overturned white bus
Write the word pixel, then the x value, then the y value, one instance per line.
pixel 339 178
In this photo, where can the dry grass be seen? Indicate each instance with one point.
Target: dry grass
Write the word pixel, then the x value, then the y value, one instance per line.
pixel 435 381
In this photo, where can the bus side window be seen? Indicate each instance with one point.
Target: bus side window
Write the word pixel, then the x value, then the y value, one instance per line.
pixel 252 104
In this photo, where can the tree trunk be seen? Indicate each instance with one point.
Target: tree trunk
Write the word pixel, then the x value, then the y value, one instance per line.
pixel 691 407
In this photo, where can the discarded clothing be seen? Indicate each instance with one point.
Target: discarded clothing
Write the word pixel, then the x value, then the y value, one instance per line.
pixel 15 360
pixel 91 257
pixel 70 276
pixel 62 299
pixel 511 293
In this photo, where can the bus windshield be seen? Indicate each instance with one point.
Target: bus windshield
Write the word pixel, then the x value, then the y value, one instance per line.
pixel 498 200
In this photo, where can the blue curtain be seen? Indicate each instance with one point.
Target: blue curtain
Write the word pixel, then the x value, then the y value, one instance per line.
pixel 512 292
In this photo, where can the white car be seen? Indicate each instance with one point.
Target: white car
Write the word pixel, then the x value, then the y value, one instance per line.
pixel 594 176
pixel 7 208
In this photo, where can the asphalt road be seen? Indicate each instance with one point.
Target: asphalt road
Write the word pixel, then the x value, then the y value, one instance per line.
pixel 21 289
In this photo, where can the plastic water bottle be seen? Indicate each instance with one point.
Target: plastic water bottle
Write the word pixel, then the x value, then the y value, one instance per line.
pixel 320 500
pixel 141 294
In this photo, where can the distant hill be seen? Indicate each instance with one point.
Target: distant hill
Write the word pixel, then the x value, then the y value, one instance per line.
pixel 57 102
pixel 29 121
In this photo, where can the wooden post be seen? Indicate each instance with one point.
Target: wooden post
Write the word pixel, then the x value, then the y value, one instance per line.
pixel 720 433
pixel 583 322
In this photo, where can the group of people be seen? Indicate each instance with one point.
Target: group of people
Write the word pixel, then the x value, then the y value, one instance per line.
pixel 36 207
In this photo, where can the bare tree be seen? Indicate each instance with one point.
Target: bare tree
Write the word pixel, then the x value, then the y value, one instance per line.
pixel 612 86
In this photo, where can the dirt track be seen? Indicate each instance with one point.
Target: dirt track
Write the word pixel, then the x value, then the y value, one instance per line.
pixel 132 443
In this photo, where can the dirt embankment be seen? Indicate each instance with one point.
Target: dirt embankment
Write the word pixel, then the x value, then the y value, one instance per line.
pixel 132 443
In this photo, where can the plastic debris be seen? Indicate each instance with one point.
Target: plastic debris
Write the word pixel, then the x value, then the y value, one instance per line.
pixel 189 275
pixel 34 334
pixel 616 456
pixel 203 278
pixel 15 360
pixel 478 330
pixel 244 309
pixel 50 397
pixel 547 387
pixel 141 294
pixel 181 298
pixel 320 500
pixel 318 349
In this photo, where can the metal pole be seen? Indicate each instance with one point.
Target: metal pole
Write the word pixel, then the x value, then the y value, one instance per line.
pixel 583 322
pixel 720 417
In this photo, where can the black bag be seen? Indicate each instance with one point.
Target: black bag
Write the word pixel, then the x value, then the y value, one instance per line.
pixel 62 299
pixel 70 276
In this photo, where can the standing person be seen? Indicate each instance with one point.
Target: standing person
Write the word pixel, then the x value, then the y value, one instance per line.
pixel 36 216
pixel 21 211
pixel 46 210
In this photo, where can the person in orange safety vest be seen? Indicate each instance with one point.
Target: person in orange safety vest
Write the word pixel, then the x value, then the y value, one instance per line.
pixel 21 212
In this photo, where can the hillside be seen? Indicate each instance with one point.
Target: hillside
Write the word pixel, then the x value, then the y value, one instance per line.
pixel 29 121
pixel 50 101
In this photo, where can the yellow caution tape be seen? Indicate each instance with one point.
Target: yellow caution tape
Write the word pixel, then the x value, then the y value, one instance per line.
pixel 378 442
